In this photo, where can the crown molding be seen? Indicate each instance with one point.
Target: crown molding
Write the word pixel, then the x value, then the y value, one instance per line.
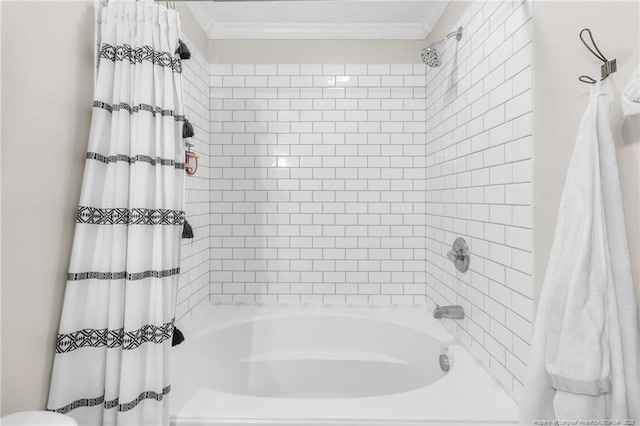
pixel 200 12
pixel 389 31
pixel 429 21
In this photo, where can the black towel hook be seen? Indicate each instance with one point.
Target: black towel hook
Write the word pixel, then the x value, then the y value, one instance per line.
pixel 608 67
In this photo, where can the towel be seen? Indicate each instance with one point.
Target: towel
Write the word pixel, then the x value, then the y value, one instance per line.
pixel 584 358
pixel 630 98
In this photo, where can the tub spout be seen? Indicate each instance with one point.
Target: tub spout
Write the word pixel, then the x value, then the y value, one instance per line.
pixel 452 312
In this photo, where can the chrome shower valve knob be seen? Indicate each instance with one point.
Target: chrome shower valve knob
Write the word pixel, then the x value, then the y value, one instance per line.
pixel 454 255
pixel 459 255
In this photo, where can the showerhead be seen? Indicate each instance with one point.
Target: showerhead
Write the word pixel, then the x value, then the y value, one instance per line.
pixel 432 55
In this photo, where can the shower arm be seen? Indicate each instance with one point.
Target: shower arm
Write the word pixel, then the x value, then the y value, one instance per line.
pixel 457 34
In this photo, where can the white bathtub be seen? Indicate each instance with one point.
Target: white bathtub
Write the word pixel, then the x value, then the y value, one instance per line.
pixel 313 366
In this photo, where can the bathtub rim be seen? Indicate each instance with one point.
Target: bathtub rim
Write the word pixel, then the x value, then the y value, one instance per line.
pixel 502 408
pixel 434 327
pixel 186 421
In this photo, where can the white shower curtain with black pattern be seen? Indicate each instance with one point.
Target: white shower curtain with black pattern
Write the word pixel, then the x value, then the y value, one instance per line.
pixel 112 353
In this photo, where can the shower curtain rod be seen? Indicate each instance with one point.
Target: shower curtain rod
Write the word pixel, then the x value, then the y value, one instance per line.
pixel 266 1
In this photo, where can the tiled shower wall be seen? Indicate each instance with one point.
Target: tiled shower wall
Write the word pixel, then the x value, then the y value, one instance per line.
pixel 193 291
pixel 318 184
pixel 479 184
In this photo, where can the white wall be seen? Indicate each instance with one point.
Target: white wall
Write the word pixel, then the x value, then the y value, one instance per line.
pixel 1 223
pixel 560 102
pixel 314 51
pixel 479 184
pixel 47 81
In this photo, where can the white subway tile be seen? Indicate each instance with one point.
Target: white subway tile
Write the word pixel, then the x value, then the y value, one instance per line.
pixel 346 81
pixel 379 69
pixel 522 305
pixel 499 332
pixel 333 92
pixel 494 117
pixel 355 69
pixel 266 70
pixel 295 104
pixel 279 81
pixel 520 349
pixel 517 19
pixel 519 61
pixel 501 174
pixel 501 214
pixel 494 156
pixel 401 69
pixel 256 81
pixel 414 81
pixel 500 54
pixel 241 69
pixel 522 81
pixel 310 69
pixel 519 326
pixel 288 69
pixel 232 81
pixel 301 81
pixel 520 149
pixel 494 79
pixel 496 349
pixel 520 238
pixel 324 81
pixel 519 105
pixel 369 81
pixel 523 171
pixel 519 282
pixel 519 194
pixel 392 81
pixel 333 70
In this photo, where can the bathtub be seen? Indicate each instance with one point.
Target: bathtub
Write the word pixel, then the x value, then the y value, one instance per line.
pixel 320 366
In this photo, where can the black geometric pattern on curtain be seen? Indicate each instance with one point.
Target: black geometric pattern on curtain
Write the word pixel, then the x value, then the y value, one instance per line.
pixel 124 52
pixel 131 160
pixel 130 276
pixel 124 216
pixel 92 402
pixel 123 106
pixel 114 338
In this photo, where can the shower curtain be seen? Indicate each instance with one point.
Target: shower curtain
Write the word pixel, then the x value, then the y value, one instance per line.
pixel 112 351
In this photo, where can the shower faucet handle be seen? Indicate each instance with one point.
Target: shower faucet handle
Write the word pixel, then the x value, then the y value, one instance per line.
pixel 454 255
pixel 459 254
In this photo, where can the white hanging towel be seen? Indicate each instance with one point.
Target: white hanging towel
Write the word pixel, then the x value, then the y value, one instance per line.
pixel 584 358
pixel 630 98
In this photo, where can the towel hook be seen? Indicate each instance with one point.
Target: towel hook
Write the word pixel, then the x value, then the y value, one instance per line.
pixel 608 67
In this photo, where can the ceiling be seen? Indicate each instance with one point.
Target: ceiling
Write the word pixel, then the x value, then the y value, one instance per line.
pixel 318 19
